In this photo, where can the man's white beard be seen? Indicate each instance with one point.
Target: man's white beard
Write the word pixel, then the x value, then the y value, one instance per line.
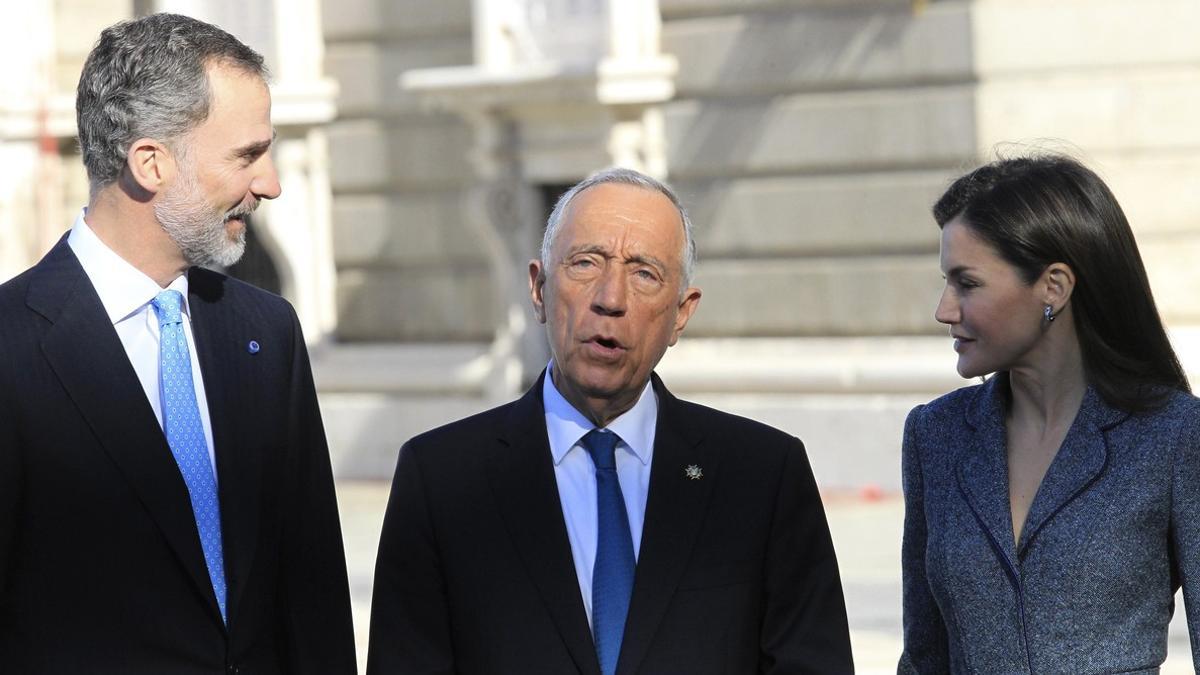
pixel 196 227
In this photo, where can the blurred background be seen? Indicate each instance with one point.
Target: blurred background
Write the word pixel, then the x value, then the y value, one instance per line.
pixel 421 145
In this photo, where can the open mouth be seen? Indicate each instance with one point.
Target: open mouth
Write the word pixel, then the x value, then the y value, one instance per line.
pixel 604 346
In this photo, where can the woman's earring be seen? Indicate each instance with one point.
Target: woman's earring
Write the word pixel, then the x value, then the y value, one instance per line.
pixel 1049 313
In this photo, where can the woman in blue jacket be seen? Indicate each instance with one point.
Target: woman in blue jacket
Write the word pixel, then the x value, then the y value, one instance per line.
pixel 1051 512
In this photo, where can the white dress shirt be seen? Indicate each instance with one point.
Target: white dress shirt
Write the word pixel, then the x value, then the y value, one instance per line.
pixel 576 474
pixel 126 292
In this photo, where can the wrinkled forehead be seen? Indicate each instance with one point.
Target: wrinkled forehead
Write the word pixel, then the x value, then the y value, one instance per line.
pixel 617 214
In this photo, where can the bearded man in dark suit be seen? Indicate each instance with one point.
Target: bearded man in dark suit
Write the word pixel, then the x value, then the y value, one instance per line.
pixel 166 499
pixel 599 525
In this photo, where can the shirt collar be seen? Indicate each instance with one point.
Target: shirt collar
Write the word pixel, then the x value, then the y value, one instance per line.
pixel 123 288
pixel 565 425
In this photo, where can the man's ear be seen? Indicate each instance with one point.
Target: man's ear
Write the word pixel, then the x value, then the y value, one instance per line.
pixel 687 307
pixel 537 281
pixel 151 165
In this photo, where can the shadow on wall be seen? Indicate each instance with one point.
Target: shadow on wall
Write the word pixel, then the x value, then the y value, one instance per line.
pixel 809 145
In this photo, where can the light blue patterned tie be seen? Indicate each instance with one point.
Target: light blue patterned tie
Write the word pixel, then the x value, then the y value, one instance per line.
pixel 185 434
pixel 612 576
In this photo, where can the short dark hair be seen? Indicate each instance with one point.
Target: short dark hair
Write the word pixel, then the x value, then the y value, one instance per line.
pixel 146 78
pixel 1049 208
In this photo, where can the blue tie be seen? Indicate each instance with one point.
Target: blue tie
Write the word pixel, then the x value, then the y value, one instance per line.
pixel 612 577
pixel 185 434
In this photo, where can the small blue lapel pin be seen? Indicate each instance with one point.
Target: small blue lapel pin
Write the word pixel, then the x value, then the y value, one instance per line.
pixel 253 347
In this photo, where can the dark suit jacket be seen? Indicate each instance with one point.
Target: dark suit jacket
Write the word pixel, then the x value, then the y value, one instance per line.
pixel 101 570
pixel 1113 529
pixel 736 572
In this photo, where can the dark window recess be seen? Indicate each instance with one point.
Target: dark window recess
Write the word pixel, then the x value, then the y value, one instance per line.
pixel 256 266
pixel 550 194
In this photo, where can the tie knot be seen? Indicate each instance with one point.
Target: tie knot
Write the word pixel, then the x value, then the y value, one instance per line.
pixel 168 306
pixel 601 444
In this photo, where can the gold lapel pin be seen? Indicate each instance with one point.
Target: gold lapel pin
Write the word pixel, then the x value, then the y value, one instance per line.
pixel 693 472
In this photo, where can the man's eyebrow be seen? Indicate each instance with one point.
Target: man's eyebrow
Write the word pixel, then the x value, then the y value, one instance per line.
pixel 254 150
pixel 588 248
pixel 647 260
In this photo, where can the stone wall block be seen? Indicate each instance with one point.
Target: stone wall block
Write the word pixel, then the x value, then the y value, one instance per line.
pixel 403 229
pixel 822 132
pixel 862 214
pixel 426 151
pixel 368 74
pixel 441 303
pixel 892 295
pixel 821 48
pixel 359 19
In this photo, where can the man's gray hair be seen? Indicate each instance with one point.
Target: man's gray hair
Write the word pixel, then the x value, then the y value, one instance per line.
pixel 146 78
pixel 622 176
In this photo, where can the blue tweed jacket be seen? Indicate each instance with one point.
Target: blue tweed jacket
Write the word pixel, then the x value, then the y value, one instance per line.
pixel 1113 531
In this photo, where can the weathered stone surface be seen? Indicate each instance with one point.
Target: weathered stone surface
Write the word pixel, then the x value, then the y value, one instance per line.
pixel 1174 275
pixel 365 432
pixel 814 215
pixel 880 295
pixel 413 152
pixel 359 19
pixel 1102 111
pixel 818 48
pixel 912 127
pixel 1066 35
pixel 403 229
pixel 368 73
pixel 1157 191
pixel 452 304
pixel 674 8
pixel 77 26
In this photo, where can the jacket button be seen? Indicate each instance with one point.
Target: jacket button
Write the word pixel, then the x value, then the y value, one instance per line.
pixel 233 670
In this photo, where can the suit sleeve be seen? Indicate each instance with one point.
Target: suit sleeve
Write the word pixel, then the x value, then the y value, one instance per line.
pixel 804 623
pixel 1185 525
pixel 925 641
pixel 410 616
pixel 315 593
pixel 10 496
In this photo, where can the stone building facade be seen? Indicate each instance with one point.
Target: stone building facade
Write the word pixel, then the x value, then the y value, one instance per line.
pixel 423 141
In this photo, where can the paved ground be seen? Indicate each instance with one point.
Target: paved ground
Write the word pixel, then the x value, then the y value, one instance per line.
pixel 866 534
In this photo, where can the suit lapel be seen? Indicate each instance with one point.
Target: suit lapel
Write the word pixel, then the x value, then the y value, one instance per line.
pixel 982 471
pixel 521 474
pixel 1079 461
pixel 220 348
pixel 675 511
pixel 87 356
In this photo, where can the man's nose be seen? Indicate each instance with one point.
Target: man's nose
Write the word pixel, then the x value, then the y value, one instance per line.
pixel 266 182
pixel 610 291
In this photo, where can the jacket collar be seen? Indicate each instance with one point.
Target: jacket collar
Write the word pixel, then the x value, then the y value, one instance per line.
pixel 982 465
pixel 521 474
pixel 89 360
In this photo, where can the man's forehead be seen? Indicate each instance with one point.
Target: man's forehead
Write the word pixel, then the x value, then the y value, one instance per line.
pixel 617 209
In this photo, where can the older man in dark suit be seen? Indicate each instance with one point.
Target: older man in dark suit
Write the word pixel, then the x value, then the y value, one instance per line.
pixel 599 525
pixel 166 502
